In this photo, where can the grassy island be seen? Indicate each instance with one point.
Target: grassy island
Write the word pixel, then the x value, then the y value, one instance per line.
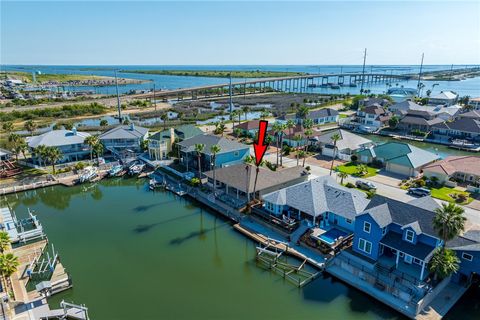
pixel 218 73
pixel 67 79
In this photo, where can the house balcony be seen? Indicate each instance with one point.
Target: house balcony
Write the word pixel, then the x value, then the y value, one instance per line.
pixel 286 223
pixel 330 239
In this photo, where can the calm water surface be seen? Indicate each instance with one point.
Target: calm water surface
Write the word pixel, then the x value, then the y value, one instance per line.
pixel 135 254
pixel 470 86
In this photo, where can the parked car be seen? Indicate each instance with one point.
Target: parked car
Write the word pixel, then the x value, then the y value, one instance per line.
pixel 365 185
pixel 420 192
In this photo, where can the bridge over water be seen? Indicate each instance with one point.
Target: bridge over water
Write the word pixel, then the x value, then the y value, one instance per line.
pixel 285 84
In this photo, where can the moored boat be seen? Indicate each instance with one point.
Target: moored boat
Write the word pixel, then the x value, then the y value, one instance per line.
pixel 115 170
pixel 88 174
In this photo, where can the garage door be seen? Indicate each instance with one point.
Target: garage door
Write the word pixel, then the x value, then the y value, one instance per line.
pixel 398 169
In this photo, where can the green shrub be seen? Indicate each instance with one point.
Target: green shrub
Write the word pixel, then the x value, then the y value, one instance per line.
pixel 350 185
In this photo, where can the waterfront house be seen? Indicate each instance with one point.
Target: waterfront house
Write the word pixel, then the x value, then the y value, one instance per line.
pixel 418 120
pixel 319 117
pixel 160 144
pixel 320 201
pixel 348 144
pixel 460 168
pixel 474 114
pixel 441 111
pixel 397 236
pixel 231 152
pixel 249 128
pixel 398 158
pixel 295 136
pixel 70 142
pixel 475 103
pixel 371 101
pixel 373 117
pixel 467 249
pixel 465 128
pixel 447 98
pixel 238 180
pixel 124 137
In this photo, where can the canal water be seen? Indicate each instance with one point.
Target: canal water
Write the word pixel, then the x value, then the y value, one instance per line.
pixel 137 254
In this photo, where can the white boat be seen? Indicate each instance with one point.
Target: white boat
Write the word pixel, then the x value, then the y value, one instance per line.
pixel 88 174
pixel 136 169
pixel 115 170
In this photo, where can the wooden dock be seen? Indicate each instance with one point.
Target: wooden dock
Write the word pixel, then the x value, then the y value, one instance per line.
pixel 281 246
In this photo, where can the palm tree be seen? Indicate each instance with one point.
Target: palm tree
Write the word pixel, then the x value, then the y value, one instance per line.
pixel 214 149
pixel 297 139
pixel 237 132
pixel 4 241
pixel 342 175
pixel 444 262
pixel 282 127
pixel 264 114
pixel 302 154
pixel 335 137
pixel 290 126
pixel 91 141
pixel 8 127
pixel 13 142
pixel 449 221
pixel 246 110
pixel 303 112
pixel 22 147
pixel 40 153
pixel 164 118
pixel 307 126
pixel 103 123
pixel 8 265
pixel 199 148
pixel 277 128
pixel 98 150
pixel 30 126
pixel 53 154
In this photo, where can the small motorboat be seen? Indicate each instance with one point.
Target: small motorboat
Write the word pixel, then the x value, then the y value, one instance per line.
pixel 136 169
pixel 115 170
pixel 88 174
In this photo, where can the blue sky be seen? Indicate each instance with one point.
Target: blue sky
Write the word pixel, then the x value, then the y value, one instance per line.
pixel 215 33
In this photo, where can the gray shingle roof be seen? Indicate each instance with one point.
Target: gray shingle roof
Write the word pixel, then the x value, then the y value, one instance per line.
pixel 322 113
pixel 385 210
pixel 461 124
pixel 124 132
pixel 427 203
pixel 347 140
pixel 236 176
pixel 57 138
pixel 188 145
pixel 469 241
pixel 320 195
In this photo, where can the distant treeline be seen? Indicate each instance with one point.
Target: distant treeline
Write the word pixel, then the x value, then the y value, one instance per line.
pixel 218 73
pixel 67 111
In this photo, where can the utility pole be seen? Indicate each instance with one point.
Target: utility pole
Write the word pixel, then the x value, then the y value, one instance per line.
pixel 119 106
pixel 420 73
pixel 230 100
pixel 363 69
pixel 154 100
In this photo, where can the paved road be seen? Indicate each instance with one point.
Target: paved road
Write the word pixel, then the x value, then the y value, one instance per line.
pixel 389 191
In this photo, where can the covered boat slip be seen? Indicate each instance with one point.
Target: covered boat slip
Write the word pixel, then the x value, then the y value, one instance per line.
pixel 22 230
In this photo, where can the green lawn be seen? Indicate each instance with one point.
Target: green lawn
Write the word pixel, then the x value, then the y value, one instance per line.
pixel 444 194
pixel 351 169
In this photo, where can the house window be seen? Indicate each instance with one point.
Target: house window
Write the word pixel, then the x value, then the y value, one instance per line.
pixel 384 231
pixel 348 221
pixel 409 235
pixel 467 256
pixel 366 227
pixel 236 153
pixel 417 261
pixel 365 246
pixel 269 206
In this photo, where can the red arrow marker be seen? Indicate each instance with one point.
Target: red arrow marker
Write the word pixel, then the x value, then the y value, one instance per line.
pixel 260 147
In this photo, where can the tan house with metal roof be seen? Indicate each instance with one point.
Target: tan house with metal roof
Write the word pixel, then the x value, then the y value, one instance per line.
pixel 464 168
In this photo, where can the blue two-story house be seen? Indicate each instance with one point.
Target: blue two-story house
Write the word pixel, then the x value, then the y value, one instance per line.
pixel 231 152
pixel 328 207
pixel 397 236
pixel 467 249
